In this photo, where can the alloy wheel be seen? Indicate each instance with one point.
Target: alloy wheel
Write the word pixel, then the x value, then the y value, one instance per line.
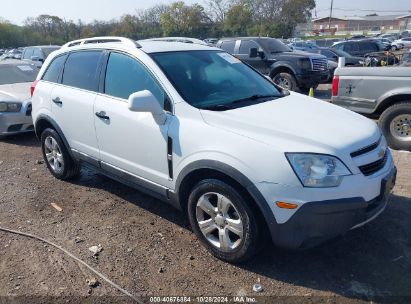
pixel 219 221
pixel 53 154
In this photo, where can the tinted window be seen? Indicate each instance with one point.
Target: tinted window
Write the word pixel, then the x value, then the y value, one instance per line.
pixel 206 79
pixel 54 69
pixel 350 47
pixel 28 52
pixel 228 46
pixel 11 73
pixel 274 45
pixel 38 53
pixel 126 75
pixel 246 45
pixel 327 54
pixel 81 70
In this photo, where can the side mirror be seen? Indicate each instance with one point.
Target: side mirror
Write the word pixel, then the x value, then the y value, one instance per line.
pixel 35 58
pixel 253 53
pixel 145 101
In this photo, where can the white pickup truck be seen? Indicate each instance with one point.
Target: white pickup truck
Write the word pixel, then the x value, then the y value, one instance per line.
pixel 383 92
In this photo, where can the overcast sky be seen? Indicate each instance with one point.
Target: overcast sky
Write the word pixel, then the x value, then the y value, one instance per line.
pixel 88 10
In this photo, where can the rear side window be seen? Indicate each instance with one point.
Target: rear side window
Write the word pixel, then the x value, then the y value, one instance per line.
pixel 228 46
pixel 246 45
pixel 53 71
pixel 125 75
pixel 80 70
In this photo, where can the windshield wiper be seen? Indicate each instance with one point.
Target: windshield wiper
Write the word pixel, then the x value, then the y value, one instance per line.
pixel 217 107
pixel 255 97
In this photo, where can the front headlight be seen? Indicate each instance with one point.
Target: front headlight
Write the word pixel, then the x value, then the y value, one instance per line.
pixel 317 170
pixel 10 106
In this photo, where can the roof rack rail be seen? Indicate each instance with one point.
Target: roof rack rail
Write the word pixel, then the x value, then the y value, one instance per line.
pixel 108 39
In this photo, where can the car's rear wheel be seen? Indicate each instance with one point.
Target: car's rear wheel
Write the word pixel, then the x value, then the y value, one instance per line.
pixel 58 160
pixel 395 122
pixel 285 81
pixel 223 221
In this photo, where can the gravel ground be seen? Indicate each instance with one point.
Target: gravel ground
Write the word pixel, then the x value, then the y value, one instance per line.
pixel 149 249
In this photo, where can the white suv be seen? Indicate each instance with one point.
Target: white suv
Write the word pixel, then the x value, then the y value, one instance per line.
pixel 198 128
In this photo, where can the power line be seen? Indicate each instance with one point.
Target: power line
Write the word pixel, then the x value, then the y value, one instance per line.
pixel 364 10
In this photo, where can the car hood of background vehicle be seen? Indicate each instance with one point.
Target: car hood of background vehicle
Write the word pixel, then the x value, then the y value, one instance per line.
pixel 297 54
pixel 15 91
pixel 298 123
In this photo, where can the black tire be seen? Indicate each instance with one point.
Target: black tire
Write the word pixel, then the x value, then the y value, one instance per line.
pixel 251 241
pixel 387 117
pixel 289 78
pixel 70 167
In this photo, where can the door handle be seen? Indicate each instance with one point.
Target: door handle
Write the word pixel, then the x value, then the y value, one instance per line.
pixel 102 115
pixel 57 100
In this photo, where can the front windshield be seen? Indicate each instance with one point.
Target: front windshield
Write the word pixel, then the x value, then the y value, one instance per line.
pixel 341 53
pixel 272 45
pixel 215 80
pixel 48 50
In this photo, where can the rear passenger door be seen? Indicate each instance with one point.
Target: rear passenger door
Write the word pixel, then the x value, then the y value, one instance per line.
pixel 73 101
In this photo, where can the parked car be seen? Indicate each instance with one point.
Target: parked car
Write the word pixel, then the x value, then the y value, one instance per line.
pixel 199 129
pixel 359 48
pixel 15 105
pixel 37 54
pixel 178 39
pixel 290 70
pixel 211 41
pixel 401 43
pixel 303 46
pixel 334 54
pixel 381 92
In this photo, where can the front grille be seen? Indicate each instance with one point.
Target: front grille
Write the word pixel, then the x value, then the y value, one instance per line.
pixel 14 128
pixel 366 149
pixel 371 168
pixel 319 64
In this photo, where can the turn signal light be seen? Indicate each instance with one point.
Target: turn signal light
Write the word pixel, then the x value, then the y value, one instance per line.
pixel 284 205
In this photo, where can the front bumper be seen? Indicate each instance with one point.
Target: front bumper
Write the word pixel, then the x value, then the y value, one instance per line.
pixel 316 222
pixel 13 123
pixel 312 78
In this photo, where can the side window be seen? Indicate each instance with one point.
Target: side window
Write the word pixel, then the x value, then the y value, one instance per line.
pixel 28 52
pixel 327 54
pixel 125 75
pixel 54 69
pixel 80 70
pixel 228 46
pixel 246 45
pixel 38 53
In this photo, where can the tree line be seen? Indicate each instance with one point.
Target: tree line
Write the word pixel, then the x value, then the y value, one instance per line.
pixel 216 18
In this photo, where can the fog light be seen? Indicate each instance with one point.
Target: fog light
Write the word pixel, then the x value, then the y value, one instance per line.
pixel 284 205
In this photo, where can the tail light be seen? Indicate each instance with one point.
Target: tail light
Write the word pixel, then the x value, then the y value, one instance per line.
pixel 336 82
pixel 33 87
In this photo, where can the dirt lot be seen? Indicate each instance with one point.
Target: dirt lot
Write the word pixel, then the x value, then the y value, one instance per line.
pixel 149 250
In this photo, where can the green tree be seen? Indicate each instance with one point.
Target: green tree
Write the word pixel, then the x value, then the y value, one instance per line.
pixel 238 19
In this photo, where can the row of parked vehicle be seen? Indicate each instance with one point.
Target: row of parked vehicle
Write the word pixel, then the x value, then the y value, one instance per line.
pixel 244 158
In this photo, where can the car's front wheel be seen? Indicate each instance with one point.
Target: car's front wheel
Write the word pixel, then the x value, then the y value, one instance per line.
pixel 223 221
pixel 395 122
pixel 285 81
pixel 56 156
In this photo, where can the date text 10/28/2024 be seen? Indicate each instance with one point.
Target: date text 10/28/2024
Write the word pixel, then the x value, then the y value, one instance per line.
pixel 203 299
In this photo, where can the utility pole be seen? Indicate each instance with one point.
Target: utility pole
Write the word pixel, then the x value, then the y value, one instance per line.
pixel 329 19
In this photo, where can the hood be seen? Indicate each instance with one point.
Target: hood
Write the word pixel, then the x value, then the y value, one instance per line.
pixel 15 91
pixel 298 123
pixel 298 54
